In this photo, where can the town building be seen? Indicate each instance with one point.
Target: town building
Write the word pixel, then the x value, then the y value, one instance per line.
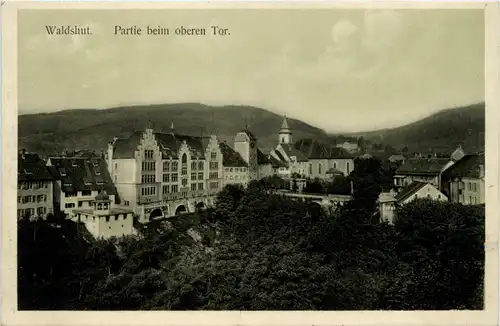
pixel 389 201
pixel 79 180
pixel 397 159
pixel 235 168
pixel 465 180
pixel 308 158
pixel 164 174
pixel 35 187
pixel 103 220
pixel 321 158
pixel 425 169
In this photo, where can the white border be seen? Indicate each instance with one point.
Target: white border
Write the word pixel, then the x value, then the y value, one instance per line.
pixel 10 315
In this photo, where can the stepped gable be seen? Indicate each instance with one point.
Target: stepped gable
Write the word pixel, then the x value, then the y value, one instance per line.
pixel 169 143
pixel 82 174
pixel 313 149
pixel 30 167
pixel 470 166
pixel 231 158
pixel 423 166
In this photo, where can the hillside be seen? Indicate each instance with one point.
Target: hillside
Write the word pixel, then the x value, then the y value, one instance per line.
pixel 443 130
pixel 92 129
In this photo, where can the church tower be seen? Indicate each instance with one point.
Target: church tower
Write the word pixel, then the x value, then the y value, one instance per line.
pixel 285 134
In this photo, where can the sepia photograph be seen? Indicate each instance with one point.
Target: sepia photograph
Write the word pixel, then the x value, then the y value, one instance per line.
pixel 230 159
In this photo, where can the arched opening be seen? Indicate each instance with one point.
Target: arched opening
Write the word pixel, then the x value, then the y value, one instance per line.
pixel 181 209
pixel 156 213
pixel 184 158
pixel 200 206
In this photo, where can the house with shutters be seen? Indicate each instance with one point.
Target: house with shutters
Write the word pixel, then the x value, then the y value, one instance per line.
pixel 80 178
pixel 35 186
pixel 389 201
pixel 465 180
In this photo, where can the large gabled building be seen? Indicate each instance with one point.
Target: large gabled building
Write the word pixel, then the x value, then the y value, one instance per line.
pixel 165 174
pixel 80 177
pixel 465 180
pixel 35 186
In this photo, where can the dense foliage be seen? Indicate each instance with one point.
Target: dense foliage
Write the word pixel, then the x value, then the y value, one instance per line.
pixel 258 250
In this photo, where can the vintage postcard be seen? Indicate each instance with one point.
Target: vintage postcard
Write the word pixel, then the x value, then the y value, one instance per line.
pixel 236 163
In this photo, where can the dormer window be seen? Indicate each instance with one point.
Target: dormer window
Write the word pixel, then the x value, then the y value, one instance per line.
pixel 97 172
pixel 27 171
pixel 75 164
pixel 100 183
pixel 62 171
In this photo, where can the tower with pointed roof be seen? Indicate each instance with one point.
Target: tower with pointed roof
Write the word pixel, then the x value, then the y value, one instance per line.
pixel 285 134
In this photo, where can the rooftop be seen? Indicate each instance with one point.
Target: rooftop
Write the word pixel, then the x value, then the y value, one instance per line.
pixel 427 166
pixel 231 158
pixel 30 167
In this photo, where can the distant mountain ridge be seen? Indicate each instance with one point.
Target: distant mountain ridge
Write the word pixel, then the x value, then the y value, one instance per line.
pixel 92 129
pixel 445 129
pixel 48 133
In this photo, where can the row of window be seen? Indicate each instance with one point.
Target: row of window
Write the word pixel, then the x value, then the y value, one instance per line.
pixel 149 154
pixel 213 175
pixel 31 211
pixel 214 165
pixel 32 199
pixel 213 185
pixel 320 168
pixel 74 194
pixel 471 186
pixel 107 217
pixel 236 169
pixel 32 185
pixel 148 178
pixel 148 191
pixel 148 166
pixel 170 189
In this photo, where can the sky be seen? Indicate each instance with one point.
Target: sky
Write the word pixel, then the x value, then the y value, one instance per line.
pixel 337 69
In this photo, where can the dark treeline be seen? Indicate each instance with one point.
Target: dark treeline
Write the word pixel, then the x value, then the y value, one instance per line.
pixel 257 250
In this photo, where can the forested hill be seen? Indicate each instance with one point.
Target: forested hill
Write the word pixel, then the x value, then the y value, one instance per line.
pixel 444 129
pixel 92 129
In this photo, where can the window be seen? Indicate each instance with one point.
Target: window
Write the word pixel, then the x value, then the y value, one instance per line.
pixel 175 166
pixel 148 154
pixel 200 186
pixel 86 193
pixel 347 167
pixel 193 175
pixel 184 182
pixel 69 205
pixel 166 166
pixel 41 210
pixel 80 204
pixel 213 175
pixel 166 189
pixel 148 166
pixel 231 170
pixel 193 165
pixel 116 166
pixel 127 203
pixel 193 187
pixel 97 172
pixel 319 168
pixel 310 168
pixel 200 175
pixel 200 165
pixel 214 165
pixel 175 188
pixel 175 177
pixel 166 177
pixel 184 170
pixel 214 185
pixel 469 186
pixel 184 158
pixel 148 178
pixel 213 155
pixel 19 199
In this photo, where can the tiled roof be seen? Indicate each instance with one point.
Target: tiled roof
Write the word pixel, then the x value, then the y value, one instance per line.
pixel 276 163
pixel 423 166
pixel 291 151
pixel 169 144
pixel 280 157
pixel 102 196
pixel 261 158
pixel 313 149
pixel 82 173
pixel 231 158
pixel 409 191
pixel 468 166
pixel 249 134
pixel 30 167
